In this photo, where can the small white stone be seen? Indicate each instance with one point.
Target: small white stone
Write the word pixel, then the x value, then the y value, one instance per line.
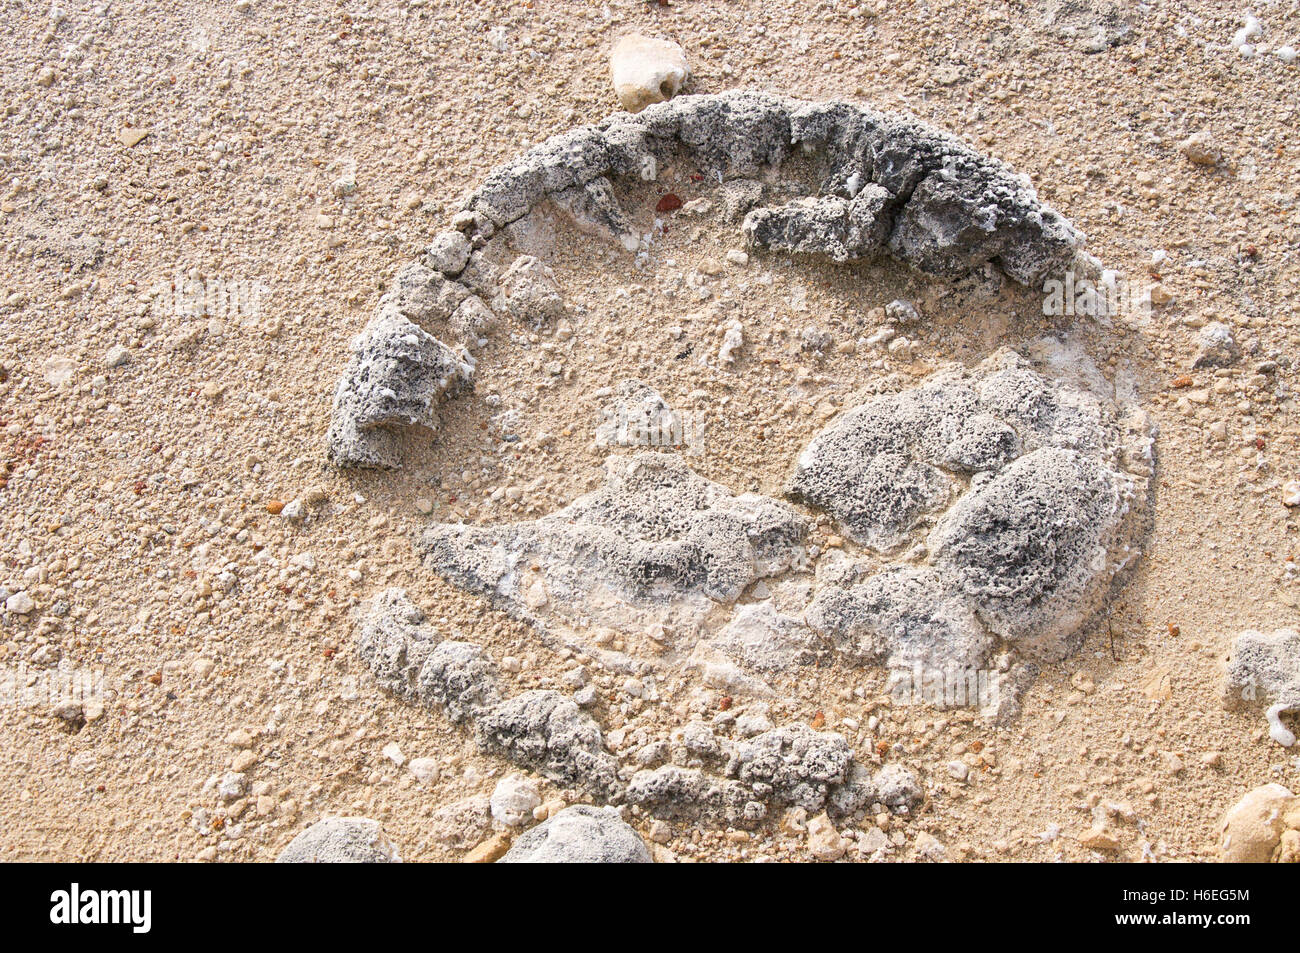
pixel 20 603
pixel 117 356
pixel 448 253
pixel 646 70
pixel 514 799
pixel 824 841
pixel 424 769
pixel 394 753
pixel 1291 493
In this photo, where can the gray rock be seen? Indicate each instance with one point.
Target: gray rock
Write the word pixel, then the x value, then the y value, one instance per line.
pixel 1055 480
pixel 740 197
pixel 897 788
pixel 448 253
pixel 530 291
pixel 655 533
pixel 759 637
pixel 580 835
pixel 890 184
pixel 538 729
pixel 340 840
pixel 461 678
pixel 547 732
pixel 838 228
pixel 409 658
pixel 472 319
pixel 397 375
pixel 883 466
pixel 594 208
pixel 792 764
pixel 1090 25
pixel 637 416
pixel 946 208
pixel 1217 346
pixel 902 617
pixel 1035 548
pixel 423 295
pixel 1264 669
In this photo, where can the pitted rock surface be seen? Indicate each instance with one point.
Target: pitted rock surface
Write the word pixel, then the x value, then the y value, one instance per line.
pixel 1264 669
pixel 880 185
pixel 655 534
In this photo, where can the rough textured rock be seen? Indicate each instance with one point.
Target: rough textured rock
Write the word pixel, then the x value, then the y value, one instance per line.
pixel 1091 25
pixel 409 658
pixel 761 638
pixel 839 228
pixel 547 732
pixel 1057 478
pixel 780 767
pixel 656 532
pixel 1218 348
pixel 1265 669
pixel 595 209
pixel 396 376
pixel 901 617
pixel 646 70
pixel 448 253
pixel 1035 548
pixel 637 416
pixel 1251 831
pixel 881 467
pixel 538 729
pixel 340 840
pixel 514 799
pixel 580 835
pixel 530 291
pixel 947 209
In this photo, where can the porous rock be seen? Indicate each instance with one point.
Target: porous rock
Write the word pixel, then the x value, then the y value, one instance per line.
pixel 1035 547
pixel 656 532
pixel 881 467
pixel 1264 669
pixel 546 731
pixel 946 208
pixel 396 376
pixel 580 835
pixel 1056 475
pixel 340 840
pixel 542 730
pixel 530 291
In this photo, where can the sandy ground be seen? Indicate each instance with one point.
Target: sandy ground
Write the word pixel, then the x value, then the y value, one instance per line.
pixel 134 493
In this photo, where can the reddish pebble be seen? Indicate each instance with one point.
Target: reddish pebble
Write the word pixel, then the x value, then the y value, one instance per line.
pixel 668 202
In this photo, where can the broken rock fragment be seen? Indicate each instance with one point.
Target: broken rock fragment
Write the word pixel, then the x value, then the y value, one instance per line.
pixel 396 376
pixel 1264 669
pixel 542 730
pixel 841 229
pixel 656 533
pixel 530 291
